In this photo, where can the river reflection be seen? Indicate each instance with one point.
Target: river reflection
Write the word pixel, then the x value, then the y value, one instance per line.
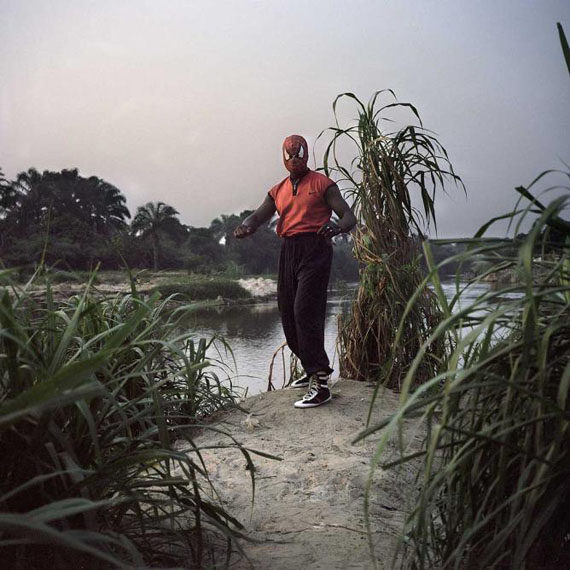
pixel 254 333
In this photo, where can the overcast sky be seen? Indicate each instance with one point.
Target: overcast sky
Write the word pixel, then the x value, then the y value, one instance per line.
pixel 188 102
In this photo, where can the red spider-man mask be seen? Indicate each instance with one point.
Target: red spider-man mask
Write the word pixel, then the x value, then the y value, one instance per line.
pixel 295 155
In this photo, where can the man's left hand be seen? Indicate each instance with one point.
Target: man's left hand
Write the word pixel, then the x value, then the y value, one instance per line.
pixel 329 230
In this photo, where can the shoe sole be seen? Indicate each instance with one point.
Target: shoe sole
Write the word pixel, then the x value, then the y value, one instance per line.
pixel 303 405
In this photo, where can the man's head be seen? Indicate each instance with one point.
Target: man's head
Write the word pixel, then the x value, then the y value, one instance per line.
pixel 295 155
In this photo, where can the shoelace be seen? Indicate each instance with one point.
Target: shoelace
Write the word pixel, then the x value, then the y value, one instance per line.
pixel 313 388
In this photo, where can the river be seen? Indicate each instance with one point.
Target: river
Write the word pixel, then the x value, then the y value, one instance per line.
pixel 254 334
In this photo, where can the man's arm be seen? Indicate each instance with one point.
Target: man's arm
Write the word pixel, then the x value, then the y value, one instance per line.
pixel 261 216
pixel 347 219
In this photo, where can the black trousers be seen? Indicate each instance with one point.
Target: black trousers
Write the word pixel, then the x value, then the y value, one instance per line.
pixel 304 270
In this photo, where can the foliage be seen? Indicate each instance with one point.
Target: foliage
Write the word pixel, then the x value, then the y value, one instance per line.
pixel 344 264
pixel 494 486
pixel 206 253
pixel 59 216
pixel 201 289
pixel 258 254
pixel 223 226
pixel 93 395
pixel 78 223
pixel 96 203
pixel 495 483
pixel 387 173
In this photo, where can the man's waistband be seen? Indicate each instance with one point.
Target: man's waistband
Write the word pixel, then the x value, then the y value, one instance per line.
pixel 302 236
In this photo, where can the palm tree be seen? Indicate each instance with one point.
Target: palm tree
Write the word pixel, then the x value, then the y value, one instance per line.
pixel 151 220
pixel 7 199
pixel 32 198
pixel 7 195
pixel 99 204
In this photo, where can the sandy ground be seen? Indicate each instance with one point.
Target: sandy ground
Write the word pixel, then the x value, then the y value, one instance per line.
pixel 308 511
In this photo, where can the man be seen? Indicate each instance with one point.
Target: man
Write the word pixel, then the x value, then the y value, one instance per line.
pixel 305 201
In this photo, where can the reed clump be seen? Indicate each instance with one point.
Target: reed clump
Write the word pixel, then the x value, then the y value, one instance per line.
pixel 392 172
pixel 94 393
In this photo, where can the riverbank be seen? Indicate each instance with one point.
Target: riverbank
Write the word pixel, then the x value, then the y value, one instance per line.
pixel 308 509
pixel 187 288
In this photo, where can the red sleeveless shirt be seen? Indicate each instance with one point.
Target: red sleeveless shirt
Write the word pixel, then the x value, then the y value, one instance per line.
pixel 302 208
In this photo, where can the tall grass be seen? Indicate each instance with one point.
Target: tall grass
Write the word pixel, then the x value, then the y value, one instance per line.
pixel 494 487
pixel 94 392
pixel 391 171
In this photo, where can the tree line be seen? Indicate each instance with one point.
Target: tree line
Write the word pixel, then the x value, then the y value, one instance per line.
pixel 76 222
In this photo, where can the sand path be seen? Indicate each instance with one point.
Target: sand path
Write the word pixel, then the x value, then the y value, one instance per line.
pixel 308 511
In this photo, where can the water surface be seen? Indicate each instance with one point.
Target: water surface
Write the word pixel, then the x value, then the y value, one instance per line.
pixel 254 333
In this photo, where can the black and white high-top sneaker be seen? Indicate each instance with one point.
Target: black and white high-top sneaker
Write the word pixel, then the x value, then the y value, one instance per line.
pixel 318 393
pixel 302 382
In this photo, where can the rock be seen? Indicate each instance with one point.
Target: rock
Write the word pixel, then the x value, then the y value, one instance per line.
pixel 250 422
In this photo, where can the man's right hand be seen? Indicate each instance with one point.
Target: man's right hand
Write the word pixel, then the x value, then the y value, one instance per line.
pixel 243 230
pixel 253 221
